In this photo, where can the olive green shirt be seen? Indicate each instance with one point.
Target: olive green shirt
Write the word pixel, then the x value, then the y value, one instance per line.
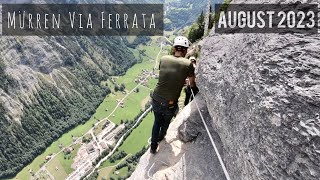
pixel 172 76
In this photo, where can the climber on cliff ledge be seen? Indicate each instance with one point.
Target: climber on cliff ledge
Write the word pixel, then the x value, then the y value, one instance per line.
pixel 174 69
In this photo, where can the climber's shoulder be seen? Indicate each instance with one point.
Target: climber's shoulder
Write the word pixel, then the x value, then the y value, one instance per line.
pixel 175 60
pixel 167 58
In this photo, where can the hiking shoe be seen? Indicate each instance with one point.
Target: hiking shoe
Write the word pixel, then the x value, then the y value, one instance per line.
pixel 154 147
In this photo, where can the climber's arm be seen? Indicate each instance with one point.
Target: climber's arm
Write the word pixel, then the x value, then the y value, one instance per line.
pixel 191 75
pixel 192 81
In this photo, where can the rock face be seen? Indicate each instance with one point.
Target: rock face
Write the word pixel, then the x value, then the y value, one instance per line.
pixel 262 93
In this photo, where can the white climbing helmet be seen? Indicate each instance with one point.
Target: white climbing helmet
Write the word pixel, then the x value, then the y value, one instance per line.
pixel 181 41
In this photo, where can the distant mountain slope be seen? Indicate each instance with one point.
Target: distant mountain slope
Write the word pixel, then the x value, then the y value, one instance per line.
pixel 182 13
pixel 49 85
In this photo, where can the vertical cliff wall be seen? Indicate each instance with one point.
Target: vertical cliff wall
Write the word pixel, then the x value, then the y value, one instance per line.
pixel 263 94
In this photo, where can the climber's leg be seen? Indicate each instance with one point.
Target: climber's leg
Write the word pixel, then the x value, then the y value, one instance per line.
pixel 187 90
pixel 168 115
pixel 158 123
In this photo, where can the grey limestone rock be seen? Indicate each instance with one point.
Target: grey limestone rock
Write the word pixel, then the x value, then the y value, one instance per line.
pixel 263 94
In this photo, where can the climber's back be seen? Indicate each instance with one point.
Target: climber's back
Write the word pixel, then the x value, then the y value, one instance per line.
pixel 173 72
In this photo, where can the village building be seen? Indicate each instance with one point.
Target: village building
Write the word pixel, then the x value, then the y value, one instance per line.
pixel 68 150
pixel 104 145
pixel 90 149
pixel 48 158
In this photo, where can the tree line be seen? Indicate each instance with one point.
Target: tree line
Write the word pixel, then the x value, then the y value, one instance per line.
pixel 196 31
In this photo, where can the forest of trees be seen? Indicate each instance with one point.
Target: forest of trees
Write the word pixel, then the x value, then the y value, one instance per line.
pixel 197 29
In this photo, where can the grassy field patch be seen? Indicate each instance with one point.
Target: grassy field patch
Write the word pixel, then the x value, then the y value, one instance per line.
pixel 122 172
pixel 133 73
pixel 152 83
pixel 131 106
pixel 139 136
pixel 56 169
pixel 105 173
pixel 65 162
pixel 144 102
